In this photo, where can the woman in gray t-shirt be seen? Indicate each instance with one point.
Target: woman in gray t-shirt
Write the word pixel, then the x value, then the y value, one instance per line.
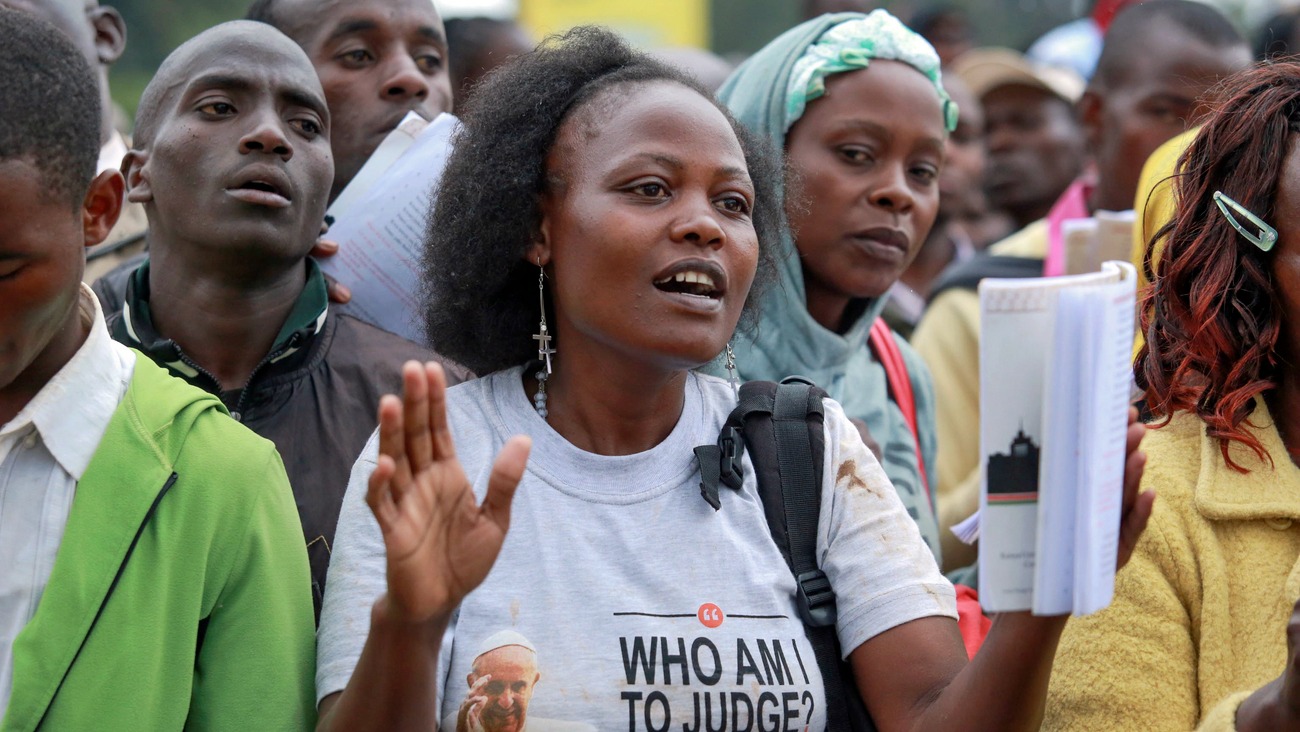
pixel 603 220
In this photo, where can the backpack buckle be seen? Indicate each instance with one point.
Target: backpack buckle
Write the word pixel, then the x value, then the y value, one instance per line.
pixel 733 447
pixel 816 599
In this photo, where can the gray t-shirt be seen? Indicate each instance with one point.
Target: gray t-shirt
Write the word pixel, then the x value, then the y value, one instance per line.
pixel 621 600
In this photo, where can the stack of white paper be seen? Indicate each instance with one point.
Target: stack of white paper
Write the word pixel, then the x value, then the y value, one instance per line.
pixel 1108 235
pixel 380 221
pixel 1054 397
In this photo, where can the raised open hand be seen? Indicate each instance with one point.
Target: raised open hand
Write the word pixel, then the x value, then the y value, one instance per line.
pixel 1137 506
pixel 440 542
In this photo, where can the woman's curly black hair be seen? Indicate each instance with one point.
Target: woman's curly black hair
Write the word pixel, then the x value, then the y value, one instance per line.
pixel 481 305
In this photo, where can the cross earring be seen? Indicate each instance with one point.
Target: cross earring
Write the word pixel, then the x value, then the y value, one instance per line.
pixel 731 371
pixel 544 349
pixel 543 337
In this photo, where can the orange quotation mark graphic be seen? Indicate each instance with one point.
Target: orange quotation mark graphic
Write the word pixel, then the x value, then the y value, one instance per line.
pixel 710 615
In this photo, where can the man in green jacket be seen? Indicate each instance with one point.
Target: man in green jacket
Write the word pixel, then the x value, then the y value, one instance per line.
pixel 154 576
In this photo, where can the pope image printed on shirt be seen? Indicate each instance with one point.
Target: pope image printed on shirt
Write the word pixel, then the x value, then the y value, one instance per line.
pixel 504 674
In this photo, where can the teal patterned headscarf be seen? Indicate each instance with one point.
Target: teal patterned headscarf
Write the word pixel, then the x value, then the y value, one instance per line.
pixel 787 339
pixel 853 45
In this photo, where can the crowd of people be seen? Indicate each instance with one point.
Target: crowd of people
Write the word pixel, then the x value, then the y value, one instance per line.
pixel 229 502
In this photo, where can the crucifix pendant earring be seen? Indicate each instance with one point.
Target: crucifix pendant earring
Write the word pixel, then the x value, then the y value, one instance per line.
pixel 544 349
pixel 731 371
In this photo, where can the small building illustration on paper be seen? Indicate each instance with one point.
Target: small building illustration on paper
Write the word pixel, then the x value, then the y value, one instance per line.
pixel 1013 475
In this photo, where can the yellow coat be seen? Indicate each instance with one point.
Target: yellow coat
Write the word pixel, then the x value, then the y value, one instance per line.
pixel 1200 613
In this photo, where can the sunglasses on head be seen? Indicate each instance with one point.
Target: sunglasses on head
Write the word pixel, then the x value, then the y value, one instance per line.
pixel 1264 237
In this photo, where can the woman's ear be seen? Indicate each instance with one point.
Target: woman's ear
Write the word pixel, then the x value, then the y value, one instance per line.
pixel 539 252
pixel 137 181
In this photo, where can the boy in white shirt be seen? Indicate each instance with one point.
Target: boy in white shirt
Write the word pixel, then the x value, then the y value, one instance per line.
pixel 153 576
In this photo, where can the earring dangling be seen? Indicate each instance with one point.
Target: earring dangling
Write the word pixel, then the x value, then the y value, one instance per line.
pixel 544 349
pixel 731 371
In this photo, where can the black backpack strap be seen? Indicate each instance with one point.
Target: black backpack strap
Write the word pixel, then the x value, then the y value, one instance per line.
pixel 710 459
pixel 782 426
pixel 721 463
pixel 799 468
pixel 797 424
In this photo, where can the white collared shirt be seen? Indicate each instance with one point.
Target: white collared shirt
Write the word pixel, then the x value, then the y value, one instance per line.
pixel 44 451
pixel 111 154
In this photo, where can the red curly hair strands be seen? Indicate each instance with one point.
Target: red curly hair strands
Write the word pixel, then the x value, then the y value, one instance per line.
pixel 1212 319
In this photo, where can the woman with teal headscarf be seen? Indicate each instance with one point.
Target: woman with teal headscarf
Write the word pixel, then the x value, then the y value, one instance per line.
pixel 857 104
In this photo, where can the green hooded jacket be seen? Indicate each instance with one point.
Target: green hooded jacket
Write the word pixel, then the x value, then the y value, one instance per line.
pixel 180 596
pixel 788 341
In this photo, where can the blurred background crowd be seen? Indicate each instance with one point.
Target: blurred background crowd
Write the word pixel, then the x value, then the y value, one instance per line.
pixel 731 29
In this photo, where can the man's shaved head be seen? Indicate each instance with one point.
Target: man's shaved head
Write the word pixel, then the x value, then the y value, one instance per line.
pixel 231 157
pixel 238 39
pixel 1129 37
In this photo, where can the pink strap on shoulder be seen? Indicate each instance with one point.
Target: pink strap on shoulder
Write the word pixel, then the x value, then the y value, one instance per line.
pixel 900 387
pixel 971 621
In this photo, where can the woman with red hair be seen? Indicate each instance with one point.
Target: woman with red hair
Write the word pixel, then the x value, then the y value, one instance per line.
pixel 1198 634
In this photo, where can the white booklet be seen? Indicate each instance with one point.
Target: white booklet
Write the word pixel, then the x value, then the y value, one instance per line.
pixel 380 221
pixel 1055 371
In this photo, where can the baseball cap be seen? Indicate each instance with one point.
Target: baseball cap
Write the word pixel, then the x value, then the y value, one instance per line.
pixel 986 69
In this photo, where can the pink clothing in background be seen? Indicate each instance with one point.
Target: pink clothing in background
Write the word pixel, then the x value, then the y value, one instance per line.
pixel 1073 204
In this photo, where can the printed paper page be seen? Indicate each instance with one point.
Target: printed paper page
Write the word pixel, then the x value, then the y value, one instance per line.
pixel 1068 369
pixel 968 529
pixel 393 147
pixel 1017 319
pixel 1015 324
pixel 381 237
pixel 1100 495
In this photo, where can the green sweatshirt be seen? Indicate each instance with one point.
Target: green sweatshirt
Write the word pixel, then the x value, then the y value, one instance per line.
pixel 788 341
pixel 180 597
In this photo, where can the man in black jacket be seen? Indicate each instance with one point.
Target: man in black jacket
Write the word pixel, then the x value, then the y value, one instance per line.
pixel 232 163
pixel 376 59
